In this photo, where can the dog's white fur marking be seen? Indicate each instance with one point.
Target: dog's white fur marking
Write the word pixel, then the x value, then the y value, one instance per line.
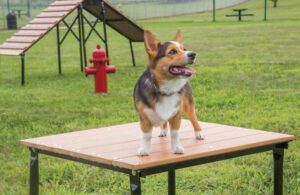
pixel 199 135
pixel 173 85
pixel 144 149
pixel 164 110
pixel 175 142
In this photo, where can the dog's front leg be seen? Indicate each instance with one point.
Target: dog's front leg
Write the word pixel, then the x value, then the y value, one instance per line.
pixel 145 142
pixel 175 141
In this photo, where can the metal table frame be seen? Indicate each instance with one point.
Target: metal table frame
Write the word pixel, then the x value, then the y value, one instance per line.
pixel 136 175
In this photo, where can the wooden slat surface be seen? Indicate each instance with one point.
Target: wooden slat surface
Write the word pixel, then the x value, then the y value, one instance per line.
pixel 10 52
pixel 59 9
pixel 65 3
pixel 44 20
pixel 117 145
pixel 26 39
pixel 14 45
pixel 30 33
pixel 37 27
pixel 52 15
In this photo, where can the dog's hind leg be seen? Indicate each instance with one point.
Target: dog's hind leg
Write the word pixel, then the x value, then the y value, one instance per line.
pixel 163 130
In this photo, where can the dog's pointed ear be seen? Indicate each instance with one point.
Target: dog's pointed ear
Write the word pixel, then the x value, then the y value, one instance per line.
pixel 178 37
pixel 151 43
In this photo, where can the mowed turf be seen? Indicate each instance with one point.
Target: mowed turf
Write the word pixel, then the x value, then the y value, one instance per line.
pixel 248 74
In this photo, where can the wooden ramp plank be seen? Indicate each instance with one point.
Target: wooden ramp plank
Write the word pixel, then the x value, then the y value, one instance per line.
pixel 14 46
pixel 59 9
pixel 66 3
pixel 52 15
pixel 117 145
pixel 44 20
pixel 37 27
pixel 30 33
pixel 16 39
pixel 11 52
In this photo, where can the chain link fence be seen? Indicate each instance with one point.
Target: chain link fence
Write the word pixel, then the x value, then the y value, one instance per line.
pixel 141 9
pixel 25 10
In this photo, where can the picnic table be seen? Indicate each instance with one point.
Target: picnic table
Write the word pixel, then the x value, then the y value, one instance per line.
pixel 239 13
pixel 19 11
pixel 115 148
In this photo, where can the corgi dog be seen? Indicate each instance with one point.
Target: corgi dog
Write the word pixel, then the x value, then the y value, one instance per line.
pixel 163 92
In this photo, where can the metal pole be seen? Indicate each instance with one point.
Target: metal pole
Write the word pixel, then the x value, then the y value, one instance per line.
pixel 171 183
pixel 34 173
pixel 104 29
pixel 8 6
pixel 278 154
pixel 265 16
pixel 132 53
pixel 83 42
pixel 29 8
pixel 214 10
pixel 135 184
pixel 23 69
pixel 58 48
pixel 80 37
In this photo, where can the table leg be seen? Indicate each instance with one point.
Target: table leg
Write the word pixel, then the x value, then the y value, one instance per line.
pixel 278 154
pixel 135 184
pixel 171 183
pixel 34 173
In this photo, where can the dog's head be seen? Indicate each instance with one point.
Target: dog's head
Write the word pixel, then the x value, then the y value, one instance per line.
pixel 168 59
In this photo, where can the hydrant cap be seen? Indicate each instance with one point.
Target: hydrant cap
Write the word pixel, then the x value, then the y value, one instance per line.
pixel 98 47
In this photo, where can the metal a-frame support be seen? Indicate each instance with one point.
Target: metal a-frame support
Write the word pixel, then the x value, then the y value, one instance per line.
pixel 78 37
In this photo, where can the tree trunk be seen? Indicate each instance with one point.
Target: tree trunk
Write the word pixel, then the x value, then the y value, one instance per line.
pixel 275 4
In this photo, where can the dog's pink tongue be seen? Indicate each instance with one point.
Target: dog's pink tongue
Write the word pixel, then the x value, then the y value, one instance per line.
pixel 182 70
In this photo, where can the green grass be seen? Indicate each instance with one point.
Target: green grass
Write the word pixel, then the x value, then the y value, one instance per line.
pixel 248 75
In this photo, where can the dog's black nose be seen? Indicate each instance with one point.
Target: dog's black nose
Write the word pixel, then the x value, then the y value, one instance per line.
pixel 192 55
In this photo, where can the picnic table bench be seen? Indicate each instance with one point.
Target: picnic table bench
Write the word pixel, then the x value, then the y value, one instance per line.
pixel 115 148
pixel 239 13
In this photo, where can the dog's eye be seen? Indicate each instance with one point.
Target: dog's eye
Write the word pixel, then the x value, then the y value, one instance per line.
pixel 184 49
pixel 172 52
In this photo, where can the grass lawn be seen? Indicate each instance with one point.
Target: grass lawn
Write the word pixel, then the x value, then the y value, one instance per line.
pixel 248 75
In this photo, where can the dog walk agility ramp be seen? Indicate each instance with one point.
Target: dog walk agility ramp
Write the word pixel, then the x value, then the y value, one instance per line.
pixel 55 15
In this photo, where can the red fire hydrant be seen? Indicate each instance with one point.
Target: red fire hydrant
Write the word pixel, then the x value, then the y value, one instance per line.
pixel 100 69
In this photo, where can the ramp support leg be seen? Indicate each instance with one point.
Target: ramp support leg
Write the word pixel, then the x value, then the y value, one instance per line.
pixel 171 182
pixel 58 48
pixel 135 184
pixel 80 35
pixel 104 29
pixel 34 173
pixel 278 155
pixel 132 53
pixel 23 69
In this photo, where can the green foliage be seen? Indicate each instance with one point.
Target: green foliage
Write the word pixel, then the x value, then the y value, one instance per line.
pixel 248 75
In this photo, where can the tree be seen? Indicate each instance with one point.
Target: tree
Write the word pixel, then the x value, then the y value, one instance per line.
pixel 274 3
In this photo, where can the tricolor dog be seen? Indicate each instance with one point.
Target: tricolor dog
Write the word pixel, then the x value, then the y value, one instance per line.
pixel 163 92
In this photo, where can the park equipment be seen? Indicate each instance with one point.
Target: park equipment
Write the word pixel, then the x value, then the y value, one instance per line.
pixel 239 14
pixel 102 148
pixel 55 15
pixel 100 69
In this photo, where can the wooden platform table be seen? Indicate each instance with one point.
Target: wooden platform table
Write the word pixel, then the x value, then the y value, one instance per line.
pixel 115 148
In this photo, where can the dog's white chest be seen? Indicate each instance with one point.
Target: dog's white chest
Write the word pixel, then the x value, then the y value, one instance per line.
pixel 165 109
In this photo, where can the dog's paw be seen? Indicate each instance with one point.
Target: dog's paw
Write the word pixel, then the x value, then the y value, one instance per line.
pixel 143 152
pixel 163 133
pixel 178 149
pixel 199 135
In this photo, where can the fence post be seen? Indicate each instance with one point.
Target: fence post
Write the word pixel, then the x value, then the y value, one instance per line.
pixel 214 10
